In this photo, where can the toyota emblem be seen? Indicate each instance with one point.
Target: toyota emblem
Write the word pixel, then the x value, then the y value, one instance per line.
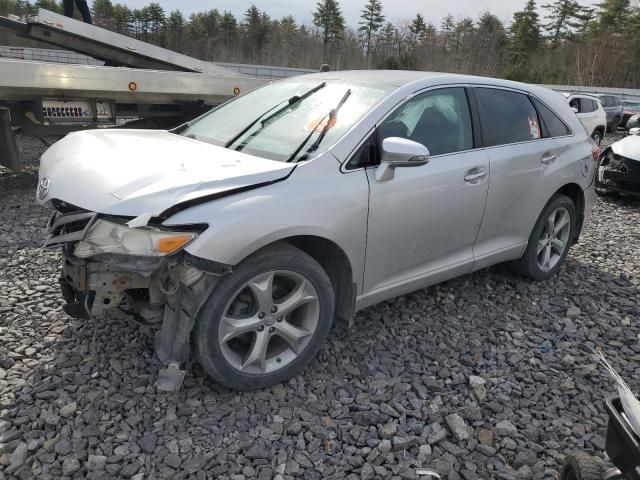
pixel 43 188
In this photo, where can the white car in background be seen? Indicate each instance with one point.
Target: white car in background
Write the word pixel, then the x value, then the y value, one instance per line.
pixel 591 114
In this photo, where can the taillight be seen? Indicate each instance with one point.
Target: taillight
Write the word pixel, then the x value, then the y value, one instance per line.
pixel 595 151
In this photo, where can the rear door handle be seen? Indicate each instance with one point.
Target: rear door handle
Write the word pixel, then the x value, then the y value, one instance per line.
pixel 548 158
pixel 476 176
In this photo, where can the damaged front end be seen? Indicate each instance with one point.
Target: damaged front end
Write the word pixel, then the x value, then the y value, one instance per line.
pixel 142 274
pixel 618 173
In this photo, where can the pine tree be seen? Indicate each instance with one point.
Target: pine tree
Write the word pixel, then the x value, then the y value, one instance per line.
pixel 328 18
pixel 447 26
pixel 565 18
pixel 175 30
pixel 155 19
pixel 418 27
pixel 122 19
pixel 228 26
pixel 256 30
pixel 525 33
pixel 490 32
pixel 103 14
pixel 371 21
pixel 613 14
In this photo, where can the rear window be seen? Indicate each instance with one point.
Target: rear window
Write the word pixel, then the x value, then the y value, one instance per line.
pixel 507 117
pixel 607 101
pixel 554 126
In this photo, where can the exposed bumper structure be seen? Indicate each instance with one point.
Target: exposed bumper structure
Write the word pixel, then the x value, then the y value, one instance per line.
pixel 617 173
pixel 164 293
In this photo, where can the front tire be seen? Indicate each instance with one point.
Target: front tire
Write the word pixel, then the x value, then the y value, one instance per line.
pixel 581 466
pixel 266 320
pixel 549 241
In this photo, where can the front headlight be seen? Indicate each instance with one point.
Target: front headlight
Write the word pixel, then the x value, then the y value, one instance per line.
pixel 109 237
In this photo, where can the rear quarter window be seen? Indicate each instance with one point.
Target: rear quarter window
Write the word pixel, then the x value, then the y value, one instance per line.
pixel 555 127
pixel 507 117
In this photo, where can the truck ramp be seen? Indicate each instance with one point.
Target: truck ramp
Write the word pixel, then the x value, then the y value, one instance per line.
pixel 112 48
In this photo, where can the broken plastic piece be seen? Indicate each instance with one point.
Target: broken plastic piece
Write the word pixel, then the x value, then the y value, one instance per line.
pixel 427 471
pixel 170 379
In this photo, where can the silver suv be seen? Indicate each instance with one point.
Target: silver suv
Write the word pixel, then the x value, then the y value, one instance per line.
pixel 242 235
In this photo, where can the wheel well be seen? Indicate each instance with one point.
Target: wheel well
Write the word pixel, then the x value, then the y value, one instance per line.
pixel 337 266
pixel 599 128
pixel 575 193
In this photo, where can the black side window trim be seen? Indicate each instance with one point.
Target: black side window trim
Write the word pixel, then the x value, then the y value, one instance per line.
pixel 371 137
pixel 478 141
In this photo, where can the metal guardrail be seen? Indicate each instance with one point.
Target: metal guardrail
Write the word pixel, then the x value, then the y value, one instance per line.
pixel 624 93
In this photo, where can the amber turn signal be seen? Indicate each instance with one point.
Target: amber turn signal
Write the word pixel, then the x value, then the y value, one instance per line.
pixel 168 245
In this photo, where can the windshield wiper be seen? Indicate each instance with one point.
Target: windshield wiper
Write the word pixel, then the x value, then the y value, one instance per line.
pixel 296 99
pixel 331 121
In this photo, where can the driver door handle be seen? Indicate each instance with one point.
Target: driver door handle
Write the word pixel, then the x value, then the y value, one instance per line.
pixel 476 176
pixel 548 158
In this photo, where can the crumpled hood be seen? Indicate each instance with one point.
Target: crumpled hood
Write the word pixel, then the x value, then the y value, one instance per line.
pixel 144 172
pixel 628 147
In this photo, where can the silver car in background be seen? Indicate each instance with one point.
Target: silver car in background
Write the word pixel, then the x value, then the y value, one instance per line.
pixel 242 235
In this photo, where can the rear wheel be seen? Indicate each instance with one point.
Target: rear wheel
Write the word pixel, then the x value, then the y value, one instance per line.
pixel 266 320
pixel 581 466
pixel 597 136
pixel 549 241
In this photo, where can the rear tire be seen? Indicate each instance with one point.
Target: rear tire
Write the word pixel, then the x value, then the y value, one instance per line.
pixel 265 321
pixel 549 241
pixel 597 137
pixel 581 466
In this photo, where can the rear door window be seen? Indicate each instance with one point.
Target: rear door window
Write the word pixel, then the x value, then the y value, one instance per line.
pixel 554 126
pixel 587 105
pixel 506 117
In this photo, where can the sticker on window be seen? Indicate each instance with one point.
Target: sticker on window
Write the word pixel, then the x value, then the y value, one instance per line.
pixel 319 123
pixel 534 129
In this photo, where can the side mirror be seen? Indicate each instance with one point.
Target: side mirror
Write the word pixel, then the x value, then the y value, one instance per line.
pixel 400 152
pixel 634 131
pixel 575 109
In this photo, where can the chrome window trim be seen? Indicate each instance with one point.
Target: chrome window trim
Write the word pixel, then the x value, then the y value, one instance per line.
pixel 343 168
pixel 527 94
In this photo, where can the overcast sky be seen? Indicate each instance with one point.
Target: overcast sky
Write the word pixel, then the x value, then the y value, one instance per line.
pixel 432 10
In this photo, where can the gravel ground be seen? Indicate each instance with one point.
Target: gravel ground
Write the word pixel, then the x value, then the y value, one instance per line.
pixel 479 377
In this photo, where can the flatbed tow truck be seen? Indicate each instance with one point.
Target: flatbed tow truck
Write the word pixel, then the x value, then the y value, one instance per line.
pixel 157 87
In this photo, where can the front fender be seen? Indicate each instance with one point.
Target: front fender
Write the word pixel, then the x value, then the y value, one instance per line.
pixel 316 200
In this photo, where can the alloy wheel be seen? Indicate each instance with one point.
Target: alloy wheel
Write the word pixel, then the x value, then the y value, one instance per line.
pixel 554 239
pixel 269 322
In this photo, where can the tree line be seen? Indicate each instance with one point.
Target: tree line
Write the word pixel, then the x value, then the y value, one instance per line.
pixel 561 42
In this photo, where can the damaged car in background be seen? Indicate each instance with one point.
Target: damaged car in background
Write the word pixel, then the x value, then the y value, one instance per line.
pixel 242 235
pixel 619 166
